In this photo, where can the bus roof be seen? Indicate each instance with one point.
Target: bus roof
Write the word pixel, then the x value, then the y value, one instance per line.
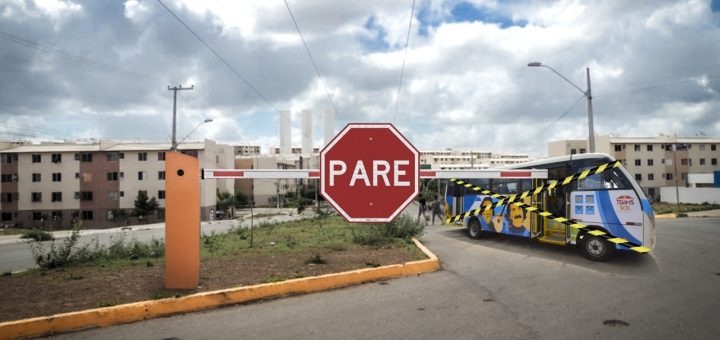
pixel 561 159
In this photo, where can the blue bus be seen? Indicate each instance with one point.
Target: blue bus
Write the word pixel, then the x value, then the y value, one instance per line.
pixel 610 201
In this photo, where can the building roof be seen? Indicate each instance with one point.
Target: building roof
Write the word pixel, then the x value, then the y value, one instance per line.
pixel 664 139
pixel 78 147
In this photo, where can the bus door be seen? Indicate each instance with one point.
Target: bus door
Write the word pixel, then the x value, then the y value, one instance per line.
pixel 556 202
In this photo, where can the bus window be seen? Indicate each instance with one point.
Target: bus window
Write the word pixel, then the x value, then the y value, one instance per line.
pixel 612 179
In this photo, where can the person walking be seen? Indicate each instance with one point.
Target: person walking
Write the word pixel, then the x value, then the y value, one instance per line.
pixel 438 209
pixel 422 211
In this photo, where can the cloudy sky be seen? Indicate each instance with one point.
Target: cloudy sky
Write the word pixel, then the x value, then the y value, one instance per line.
pixel 100 69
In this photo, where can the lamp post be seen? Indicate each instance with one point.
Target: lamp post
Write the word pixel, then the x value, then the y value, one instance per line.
pixel 588 95
pixel 208 120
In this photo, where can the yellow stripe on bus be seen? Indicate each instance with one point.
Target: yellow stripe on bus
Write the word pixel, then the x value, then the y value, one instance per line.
pixel 618 240
pixel 597 232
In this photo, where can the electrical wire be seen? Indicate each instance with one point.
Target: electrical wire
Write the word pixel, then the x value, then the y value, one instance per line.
pixel 532 139
pixel 72 57
pixel 402 69
pixel 656 87
pixel 307 49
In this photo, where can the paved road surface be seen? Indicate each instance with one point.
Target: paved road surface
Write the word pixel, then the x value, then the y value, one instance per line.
pixel 500 287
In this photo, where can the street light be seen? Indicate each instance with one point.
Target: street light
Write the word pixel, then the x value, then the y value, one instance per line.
pixel 208 120
pixel 588 95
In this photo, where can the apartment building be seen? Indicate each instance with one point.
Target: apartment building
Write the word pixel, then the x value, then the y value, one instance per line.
pixel 50 184
pixel 246 150
pixel 264 192
pixel 449 159
pixel 651 160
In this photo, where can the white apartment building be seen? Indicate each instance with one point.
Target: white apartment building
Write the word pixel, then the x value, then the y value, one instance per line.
pixel 246 150
pixel 449 159
pixel 50 184
pixel 651 159
pixel 264 192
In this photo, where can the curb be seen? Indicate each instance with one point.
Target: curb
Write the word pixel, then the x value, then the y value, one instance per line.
pixel 666 216
pixel 144 310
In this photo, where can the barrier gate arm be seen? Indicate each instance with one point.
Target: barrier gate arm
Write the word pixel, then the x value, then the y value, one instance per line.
pixel 315 174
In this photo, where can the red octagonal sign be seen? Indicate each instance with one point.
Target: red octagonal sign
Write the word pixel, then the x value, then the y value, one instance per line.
pixel 369 172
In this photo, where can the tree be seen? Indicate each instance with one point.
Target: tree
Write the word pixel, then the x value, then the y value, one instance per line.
pixel 225 200
pixel 241 199
pixel 144 206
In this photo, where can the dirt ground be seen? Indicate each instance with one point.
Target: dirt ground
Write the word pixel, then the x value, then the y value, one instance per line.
pixel 42 293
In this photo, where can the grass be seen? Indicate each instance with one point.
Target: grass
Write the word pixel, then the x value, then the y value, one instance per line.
pixel 667 208
pixel 38 235
pixel 13 231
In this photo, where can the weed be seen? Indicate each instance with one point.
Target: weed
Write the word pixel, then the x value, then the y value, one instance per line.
pixel 337 247
pixel 38 235
pixel 290 242
pixel 316 259
pixel 108 303
pixel 372 264
pixel 7 273
pixel 75 277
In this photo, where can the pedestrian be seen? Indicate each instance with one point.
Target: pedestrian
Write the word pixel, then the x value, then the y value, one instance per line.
pixel 437 208
pixel 422 211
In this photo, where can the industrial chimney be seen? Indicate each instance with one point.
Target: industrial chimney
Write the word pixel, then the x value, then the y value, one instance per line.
pixel 285 137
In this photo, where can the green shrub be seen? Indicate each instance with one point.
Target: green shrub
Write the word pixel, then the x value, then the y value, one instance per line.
pixel 380 234
pixel 38 235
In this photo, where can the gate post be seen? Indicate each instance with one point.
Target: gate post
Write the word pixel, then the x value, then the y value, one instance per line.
pixel 182 221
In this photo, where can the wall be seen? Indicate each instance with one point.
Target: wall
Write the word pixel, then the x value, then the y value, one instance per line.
pixel 690 195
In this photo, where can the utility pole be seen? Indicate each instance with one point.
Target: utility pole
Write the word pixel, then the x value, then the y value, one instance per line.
pixel 591 132
pixel 174 124
pixel 677 191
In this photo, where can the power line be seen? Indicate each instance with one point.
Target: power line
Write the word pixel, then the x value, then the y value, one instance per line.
pixel 222 60
pixel 72 57
pixel 402 69
pixel 532 139
pixel 307 49
pixel 657 87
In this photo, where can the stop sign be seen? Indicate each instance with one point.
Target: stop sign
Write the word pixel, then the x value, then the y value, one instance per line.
pixel 369 172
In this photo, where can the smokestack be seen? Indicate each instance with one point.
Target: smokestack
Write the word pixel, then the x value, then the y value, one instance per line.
pixel 307 132
pixel 285 138
pixel 329 125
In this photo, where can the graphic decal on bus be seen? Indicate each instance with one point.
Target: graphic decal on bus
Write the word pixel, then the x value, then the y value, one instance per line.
pixel 512 220
pixel 618 211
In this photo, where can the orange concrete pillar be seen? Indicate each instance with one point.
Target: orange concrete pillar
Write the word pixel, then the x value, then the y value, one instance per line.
pixel 182 221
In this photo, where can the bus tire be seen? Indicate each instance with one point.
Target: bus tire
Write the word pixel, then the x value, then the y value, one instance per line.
pixel 474 229
pixel 596 248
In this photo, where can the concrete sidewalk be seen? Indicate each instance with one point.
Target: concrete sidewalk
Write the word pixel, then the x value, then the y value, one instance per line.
pixel 706 213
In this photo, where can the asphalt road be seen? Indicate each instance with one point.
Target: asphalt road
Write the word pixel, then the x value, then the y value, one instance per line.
pixel 500 287
pixel 15 254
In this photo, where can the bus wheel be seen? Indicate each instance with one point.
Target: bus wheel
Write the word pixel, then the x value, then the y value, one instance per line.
pixel 474 229
pixel 596 248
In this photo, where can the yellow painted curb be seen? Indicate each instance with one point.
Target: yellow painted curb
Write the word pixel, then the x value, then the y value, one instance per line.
pixel 666 216
pixel 144 310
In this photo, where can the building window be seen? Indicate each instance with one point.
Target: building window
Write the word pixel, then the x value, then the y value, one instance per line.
pixel 113 156
pixel 668 176
pixel 112 176
pixel 56 158
pixel 56 177
pixel 6 178
pixel 84 157
pixel 86 215
pixel 582 150
pixel 618 147
pixel 683 176
pixel 161 155
pixel 113 195
pixel 650 162
pixel 161 175
pixel 110 215
pixel 10 196
pixel 36 158
pixel 649 147
pixel 85 195
pixel 702 161
pixel 713 161
pixel 36 197
pixel 142 192
pixel 141 175
pixel 637 147
pixel 142 156
pixel 573 151
pixel 684 161
pixel 36 177
pixel 191 153
pixel 713 147
pixel 6 217
pixel 122 194
pixel 651 177
pixel 638 162
pixel 161 194
pixel 56 215
pixel 56 197
pixel 638 177
pixel 702 147
pixel 37 216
